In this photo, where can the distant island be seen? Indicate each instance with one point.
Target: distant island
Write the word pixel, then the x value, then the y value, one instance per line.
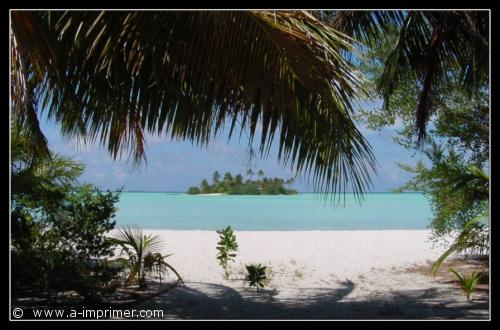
pixel 238 185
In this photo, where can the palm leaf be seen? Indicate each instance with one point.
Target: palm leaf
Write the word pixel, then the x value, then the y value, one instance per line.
pixel 463 242
pixel 433 47
pixel 187 74
pixel 136 245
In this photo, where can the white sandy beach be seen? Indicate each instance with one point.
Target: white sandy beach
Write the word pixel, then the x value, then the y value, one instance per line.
pixel 314 274
pixel 319 254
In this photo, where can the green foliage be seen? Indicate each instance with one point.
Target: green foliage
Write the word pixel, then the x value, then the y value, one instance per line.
pixel 458 119
pixel 256 275
pixel 468 283
pixel 456 155
pixel 205 187
pixel 473 239
pixel 420 52
pixel 136 246
pixel 194 191
pixel 65 249
pixel 58 227
pixel 238 186
pixel 226 247
pixel 457 191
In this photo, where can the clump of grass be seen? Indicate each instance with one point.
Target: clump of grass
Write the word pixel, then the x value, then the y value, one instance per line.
pixel 299 274
pixel 468 283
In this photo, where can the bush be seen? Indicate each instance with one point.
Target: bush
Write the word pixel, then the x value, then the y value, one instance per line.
pixel 256 275
pixel 58 238
pixel 65 249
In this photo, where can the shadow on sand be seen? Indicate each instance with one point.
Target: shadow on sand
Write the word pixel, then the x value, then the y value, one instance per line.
pixel 197 300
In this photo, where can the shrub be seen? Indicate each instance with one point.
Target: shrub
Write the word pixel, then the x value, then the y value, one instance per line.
pixel 256 275
pixel 64 248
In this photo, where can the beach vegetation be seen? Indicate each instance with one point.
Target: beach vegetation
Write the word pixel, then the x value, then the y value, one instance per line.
pixel 453 149
pixel 469 282
pixel 256 275
pixel 298 274
pixel 472 240
pixel 194 191
pixel 237 185
pixel 142 253
pixel 227 248
pixel 59 226
pixel 156 264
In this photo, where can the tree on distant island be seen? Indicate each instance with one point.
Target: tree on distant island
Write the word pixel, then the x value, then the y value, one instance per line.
pixel 237 185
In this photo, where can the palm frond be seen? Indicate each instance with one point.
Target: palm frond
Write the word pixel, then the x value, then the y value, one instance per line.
pixel 187 74
pixel 432 47
pixel 132 236
pixel 465 240
pixel 364 26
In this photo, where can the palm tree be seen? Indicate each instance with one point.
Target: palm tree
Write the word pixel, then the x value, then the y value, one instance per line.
pixel 250 174
pixel 39 177
pixel 238 180
pixel 216 178
pixel 228 181
pixel 136 246
pixel 205 187
pixel 260 173
pixel 432 47
pixel 117 76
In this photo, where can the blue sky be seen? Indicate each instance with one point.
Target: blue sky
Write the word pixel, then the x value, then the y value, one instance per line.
pixel 174 166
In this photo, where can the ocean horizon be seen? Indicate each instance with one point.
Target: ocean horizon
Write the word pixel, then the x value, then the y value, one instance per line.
pixel 305 211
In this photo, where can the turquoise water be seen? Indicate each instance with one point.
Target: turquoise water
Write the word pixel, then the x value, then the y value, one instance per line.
pixel 308 211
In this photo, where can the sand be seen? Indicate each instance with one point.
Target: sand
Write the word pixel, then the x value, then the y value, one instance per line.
pixel 312 275
pixel 212 194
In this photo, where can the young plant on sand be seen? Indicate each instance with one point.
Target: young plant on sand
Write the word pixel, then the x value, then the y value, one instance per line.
pixel 137 246
pixel 256 275
pixel 468 282
pixel 226 246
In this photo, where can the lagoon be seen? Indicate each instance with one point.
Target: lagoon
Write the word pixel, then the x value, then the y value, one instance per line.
pixel 306 211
